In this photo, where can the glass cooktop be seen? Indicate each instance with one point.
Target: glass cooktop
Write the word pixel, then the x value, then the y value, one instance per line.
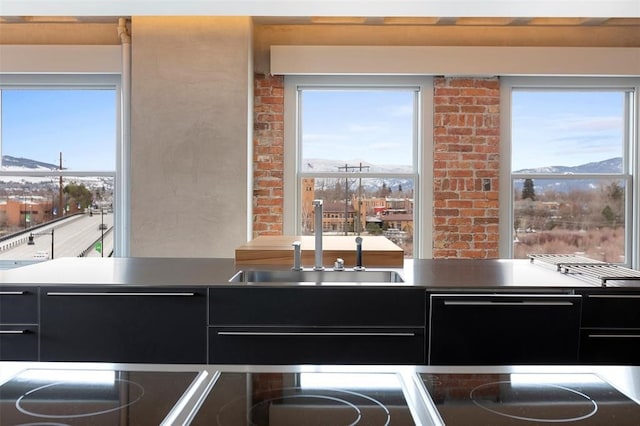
pixel 91 397
pixel 528 399
pixel 282 399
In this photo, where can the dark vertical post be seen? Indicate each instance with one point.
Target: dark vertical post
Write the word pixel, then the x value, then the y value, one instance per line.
pixel 60 200
pixel 102 231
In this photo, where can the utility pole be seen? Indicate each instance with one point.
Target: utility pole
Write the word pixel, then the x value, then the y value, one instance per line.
pixel 348 168
pixel 102 232
pixel 60 200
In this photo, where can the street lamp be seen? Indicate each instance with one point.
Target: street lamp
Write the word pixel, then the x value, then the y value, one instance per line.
pixel 31 242
pixel 102 231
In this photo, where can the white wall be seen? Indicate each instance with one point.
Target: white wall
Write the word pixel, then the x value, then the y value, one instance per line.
pixel 190 131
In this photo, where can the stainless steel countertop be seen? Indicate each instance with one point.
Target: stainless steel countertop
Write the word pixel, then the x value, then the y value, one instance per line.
pixel 487 274
pixel 438 274
pixel 151 271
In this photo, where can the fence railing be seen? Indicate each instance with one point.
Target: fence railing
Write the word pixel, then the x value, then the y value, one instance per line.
pixel 15 239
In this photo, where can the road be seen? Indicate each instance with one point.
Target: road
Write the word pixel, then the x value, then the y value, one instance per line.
pixel 71 237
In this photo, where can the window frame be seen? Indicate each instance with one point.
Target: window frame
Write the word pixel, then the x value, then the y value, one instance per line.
pixel 631 153
pixel 98 81
pixel 423 138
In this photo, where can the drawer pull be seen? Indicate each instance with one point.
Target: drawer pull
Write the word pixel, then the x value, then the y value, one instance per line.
pixel 490 303
pixel 614 296
pixel 614 336
pixel 13 331
pixel 12 293
pixel 56 293
pixel 311 333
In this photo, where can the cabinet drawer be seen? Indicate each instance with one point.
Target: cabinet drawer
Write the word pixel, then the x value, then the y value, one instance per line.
pixel 288 345
pixel 18 343
pixel 117 324
pixel 504 329
pixel 611 310
pixel 606 346
pixel 321 306
pixel 18 305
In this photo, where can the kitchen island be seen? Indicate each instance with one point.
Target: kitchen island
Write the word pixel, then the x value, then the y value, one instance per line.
pixel 442 312
pixel 169 394
pixel 433 274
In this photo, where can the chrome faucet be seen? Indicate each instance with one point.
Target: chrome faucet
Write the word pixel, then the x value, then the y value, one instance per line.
pixel 317 208
pixel 358 266
pixel 297 256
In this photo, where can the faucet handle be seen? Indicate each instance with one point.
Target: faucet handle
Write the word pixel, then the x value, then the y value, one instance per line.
pixel 339 264
pixel 358 266
pixel 297 256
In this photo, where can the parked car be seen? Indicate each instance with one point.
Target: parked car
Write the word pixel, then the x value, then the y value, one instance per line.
pixel 41 255
pixel 102 226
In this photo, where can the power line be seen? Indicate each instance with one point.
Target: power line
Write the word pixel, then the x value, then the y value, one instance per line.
pixel 348 168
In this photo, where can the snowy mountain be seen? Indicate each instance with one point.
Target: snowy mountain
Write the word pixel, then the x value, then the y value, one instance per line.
pixel 372 184
pixel 612 165
pixel 10 163
pixel 332 166
pixel 34 183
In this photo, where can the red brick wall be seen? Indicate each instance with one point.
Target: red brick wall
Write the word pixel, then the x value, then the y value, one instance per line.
pixel 268 154
pixel 466 157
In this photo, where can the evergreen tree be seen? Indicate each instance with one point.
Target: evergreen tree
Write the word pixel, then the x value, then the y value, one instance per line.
pixel 528 190
pixel 609 215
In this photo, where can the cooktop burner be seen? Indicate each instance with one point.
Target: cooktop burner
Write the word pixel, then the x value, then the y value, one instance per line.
pixel 91 397
pixel 574 405
pixel 268 399
pixel 512 399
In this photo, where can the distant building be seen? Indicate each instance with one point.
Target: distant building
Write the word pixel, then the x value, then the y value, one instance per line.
pixel 354 216
pixel 336 217
pixel 25 212
pixel 399 221
pixel 307 196
pixel 399 205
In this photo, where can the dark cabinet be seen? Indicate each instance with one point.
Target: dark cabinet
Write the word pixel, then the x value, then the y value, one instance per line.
pixel 323 325
pixel 610 329
pixel 18 342
pixel 293 345
pixel 610 346
pixel 18 305
pixel 18 324
pixel 504 329
pixel 116 324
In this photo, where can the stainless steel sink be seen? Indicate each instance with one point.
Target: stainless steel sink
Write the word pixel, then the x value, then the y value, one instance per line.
pixel 291 276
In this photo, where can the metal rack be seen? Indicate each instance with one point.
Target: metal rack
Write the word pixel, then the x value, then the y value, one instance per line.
pixel 560 260
pixel 588 268
pixel 604 272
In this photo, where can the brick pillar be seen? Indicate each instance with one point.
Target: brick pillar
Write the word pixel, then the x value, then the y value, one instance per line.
pixel 466 167
pixel 268 155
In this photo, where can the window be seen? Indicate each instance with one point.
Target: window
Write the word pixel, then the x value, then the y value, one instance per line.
pixel 58 140
pixel 357 145
pixel 573 168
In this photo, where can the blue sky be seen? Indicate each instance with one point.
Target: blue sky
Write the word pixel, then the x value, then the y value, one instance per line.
pixel 565 128
pixel 39 124
pixel 548 128
pixel 372 126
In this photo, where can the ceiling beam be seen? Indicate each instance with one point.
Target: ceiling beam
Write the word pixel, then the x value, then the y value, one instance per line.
pixel 368 8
